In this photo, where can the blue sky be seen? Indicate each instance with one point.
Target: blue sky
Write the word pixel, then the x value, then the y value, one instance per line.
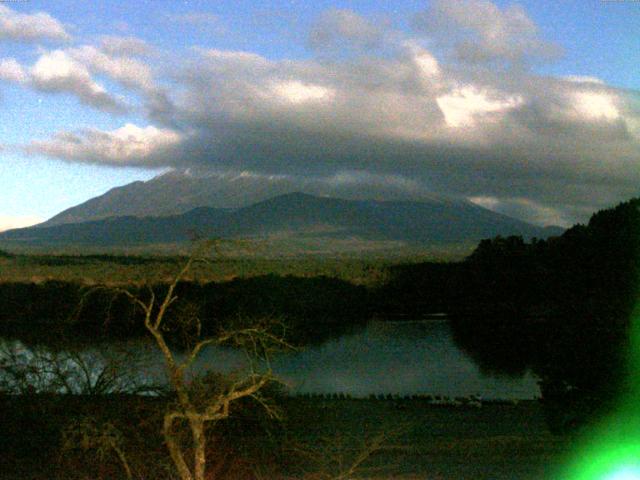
pixel 99 94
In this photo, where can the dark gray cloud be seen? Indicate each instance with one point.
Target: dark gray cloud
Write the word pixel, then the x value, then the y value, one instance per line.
pixel 339 31
pixel 478 31
pixel 125 46
pixel 234 189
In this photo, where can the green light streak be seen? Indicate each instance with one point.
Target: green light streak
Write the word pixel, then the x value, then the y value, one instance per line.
pixel 625 473
pixel 611 450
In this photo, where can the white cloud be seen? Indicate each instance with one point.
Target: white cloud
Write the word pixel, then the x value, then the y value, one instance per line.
pixel 29 27
pixel 589 111
pixel 583 79
pixel 7 222
pixel 126 145
pixel 129 71
pixel 487 202
pixel 368 96
pixel 12 71
pixel 423 59
pixel 464 105
pixel 58 72
pixel 297 92
pixel 591 105
pixel 525 209
pixel 234 58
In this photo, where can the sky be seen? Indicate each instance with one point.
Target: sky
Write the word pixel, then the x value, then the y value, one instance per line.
pixel 528 108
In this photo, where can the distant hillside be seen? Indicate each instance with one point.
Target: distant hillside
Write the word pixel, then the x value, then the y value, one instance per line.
pixel 429 222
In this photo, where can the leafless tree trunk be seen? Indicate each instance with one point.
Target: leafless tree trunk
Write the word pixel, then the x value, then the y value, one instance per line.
pixel 257 340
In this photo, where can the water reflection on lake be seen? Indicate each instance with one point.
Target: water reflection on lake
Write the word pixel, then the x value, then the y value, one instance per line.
pixel 404 358
pixel 384 357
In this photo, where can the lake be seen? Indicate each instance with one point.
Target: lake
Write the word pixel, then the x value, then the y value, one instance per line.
pixel 403 358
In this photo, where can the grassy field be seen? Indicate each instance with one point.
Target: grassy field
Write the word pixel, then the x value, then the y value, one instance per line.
pixel 231 262
pixel 269 246
pixel 137 270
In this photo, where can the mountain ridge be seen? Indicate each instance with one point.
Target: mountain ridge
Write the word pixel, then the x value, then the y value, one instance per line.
pixel 177 192
pixel 296 213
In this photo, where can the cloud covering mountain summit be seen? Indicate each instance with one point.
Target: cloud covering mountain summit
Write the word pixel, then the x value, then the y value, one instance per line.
pixel 461 113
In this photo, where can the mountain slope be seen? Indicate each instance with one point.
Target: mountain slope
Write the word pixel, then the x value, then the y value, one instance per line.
pixel 173 193
pixel 428 222
pixel 177 192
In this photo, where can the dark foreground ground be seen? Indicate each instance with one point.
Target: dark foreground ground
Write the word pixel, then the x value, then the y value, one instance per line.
pixel 416 440
pixel 435 442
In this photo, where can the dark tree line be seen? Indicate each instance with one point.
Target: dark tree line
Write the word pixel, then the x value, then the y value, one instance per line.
pixel 315 308
pixel 561 307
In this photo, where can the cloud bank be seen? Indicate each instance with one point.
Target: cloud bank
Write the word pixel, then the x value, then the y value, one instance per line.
pixel 467 117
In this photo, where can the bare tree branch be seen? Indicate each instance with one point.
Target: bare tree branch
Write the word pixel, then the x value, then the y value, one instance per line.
pixel 259 341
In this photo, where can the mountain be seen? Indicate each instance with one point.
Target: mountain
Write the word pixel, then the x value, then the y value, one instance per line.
pixel 433 222
pixel 172 193
pixel 177 192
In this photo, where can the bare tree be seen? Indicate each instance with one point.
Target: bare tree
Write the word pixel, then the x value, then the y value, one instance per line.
pixel 104 438
pixel 198 403
pixel 343 457
pixel 37 369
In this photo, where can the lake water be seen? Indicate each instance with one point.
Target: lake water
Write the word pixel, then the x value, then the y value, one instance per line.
pixel 403 358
